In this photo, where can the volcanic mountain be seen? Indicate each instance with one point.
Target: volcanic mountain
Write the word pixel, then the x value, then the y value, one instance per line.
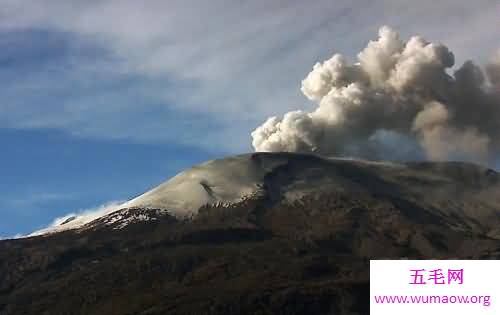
pixel 262 233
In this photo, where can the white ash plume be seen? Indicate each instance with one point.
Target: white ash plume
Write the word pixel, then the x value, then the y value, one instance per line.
pixel 399 88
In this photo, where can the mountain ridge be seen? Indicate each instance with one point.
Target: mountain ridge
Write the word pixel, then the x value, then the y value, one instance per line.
pixel 234 178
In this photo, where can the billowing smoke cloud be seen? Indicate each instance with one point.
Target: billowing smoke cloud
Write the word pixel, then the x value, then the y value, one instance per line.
pixel 397 101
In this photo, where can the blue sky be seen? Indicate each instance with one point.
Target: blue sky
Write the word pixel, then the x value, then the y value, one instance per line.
pixel 47 174
pixel 102 100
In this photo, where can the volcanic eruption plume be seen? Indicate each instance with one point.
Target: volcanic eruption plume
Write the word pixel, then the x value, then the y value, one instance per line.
pixel 397 101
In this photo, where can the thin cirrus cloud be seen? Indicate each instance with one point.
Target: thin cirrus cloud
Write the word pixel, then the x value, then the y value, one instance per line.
pixel 193 71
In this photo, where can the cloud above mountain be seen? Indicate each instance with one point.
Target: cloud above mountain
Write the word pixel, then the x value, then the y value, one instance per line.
pixel 396 89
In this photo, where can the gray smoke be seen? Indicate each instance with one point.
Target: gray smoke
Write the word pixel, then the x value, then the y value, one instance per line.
pixel 397 101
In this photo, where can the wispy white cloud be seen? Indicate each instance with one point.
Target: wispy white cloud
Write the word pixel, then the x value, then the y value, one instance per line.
pixel 227 62
pixel 78 218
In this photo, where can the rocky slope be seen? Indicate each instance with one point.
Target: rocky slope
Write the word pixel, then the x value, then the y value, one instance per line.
pixel 256 234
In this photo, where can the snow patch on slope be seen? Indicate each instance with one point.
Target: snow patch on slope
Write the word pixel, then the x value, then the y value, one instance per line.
pixel 120 219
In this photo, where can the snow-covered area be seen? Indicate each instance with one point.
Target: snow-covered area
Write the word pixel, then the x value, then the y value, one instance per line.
pixel 214 182
pixel 226 180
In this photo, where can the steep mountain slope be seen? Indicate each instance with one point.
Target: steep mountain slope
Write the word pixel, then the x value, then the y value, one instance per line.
pixel 260 233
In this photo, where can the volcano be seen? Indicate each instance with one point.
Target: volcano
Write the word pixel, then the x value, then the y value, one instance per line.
pixel 262 233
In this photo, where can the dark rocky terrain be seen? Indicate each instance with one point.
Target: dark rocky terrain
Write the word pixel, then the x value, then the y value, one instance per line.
pixel 268 253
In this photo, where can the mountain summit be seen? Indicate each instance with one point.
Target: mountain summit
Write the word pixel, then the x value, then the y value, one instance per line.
pixel 274 233
pixel 452 189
